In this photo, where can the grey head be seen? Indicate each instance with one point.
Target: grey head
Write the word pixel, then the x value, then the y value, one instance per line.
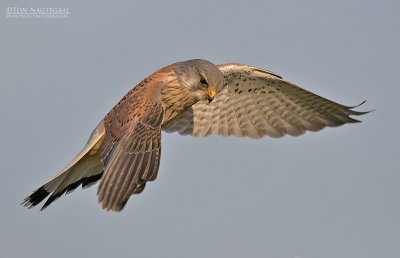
pixel 200 76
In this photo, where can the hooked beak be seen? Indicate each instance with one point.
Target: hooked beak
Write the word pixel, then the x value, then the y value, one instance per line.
pixel 211 94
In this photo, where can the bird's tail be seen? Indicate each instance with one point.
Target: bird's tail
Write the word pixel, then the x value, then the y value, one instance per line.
pixel 85 169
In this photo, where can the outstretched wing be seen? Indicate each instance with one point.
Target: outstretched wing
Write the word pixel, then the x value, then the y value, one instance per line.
pixel 131 153
pixel 134 162
pixel 85 169
pixel 256 103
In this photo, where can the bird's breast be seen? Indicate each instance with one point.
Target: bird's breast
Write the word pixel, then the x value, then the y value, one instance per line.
pixel 175 99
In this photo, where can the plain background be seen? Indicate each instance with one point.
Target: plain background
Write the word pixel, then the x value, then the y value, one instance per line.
pixel 329 194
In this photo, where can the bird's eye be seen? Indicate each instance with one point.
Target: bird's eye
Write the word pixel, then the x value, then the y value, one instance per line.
pixel 203 80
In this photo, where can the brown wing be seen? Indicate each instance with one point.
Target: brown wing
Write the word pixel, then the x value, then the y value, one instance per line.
pixel 132 149
pixel 255 103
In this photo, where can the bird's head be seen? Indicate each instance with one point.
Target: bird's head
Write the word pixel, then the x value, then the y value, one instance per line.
pixel 203 79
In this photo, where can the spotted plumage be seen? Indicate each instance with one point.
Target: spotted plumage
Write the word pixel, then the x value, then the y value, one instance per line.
pixel 194 97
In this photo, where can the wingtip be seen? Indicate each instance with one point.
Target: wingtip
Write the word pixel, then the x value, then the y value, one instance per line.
pixel 358 113
pixel 35 198
pixel 26 203
pixel 351 107
pixel 51 199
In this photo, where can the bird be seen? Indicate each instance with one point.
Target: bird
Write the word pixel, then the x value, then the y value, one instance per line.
pixel 193 97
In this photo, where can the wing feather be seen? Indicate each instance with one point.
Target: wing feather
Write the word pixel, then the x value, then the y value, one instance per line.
pixel 134 161
pixel 85 169
pixel 257 103
pixel 132 144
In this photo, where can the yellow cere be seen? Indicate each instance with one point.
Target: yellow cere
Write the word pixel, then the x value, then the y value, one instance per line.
pixel 212 93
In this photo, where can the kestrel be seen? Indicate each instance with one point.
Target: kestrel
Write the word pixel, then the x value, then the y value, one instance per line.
pixel 193 97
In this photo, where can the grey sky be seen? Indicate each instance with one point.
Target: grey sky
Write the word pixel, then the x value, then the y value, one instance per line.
pixel 329 194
